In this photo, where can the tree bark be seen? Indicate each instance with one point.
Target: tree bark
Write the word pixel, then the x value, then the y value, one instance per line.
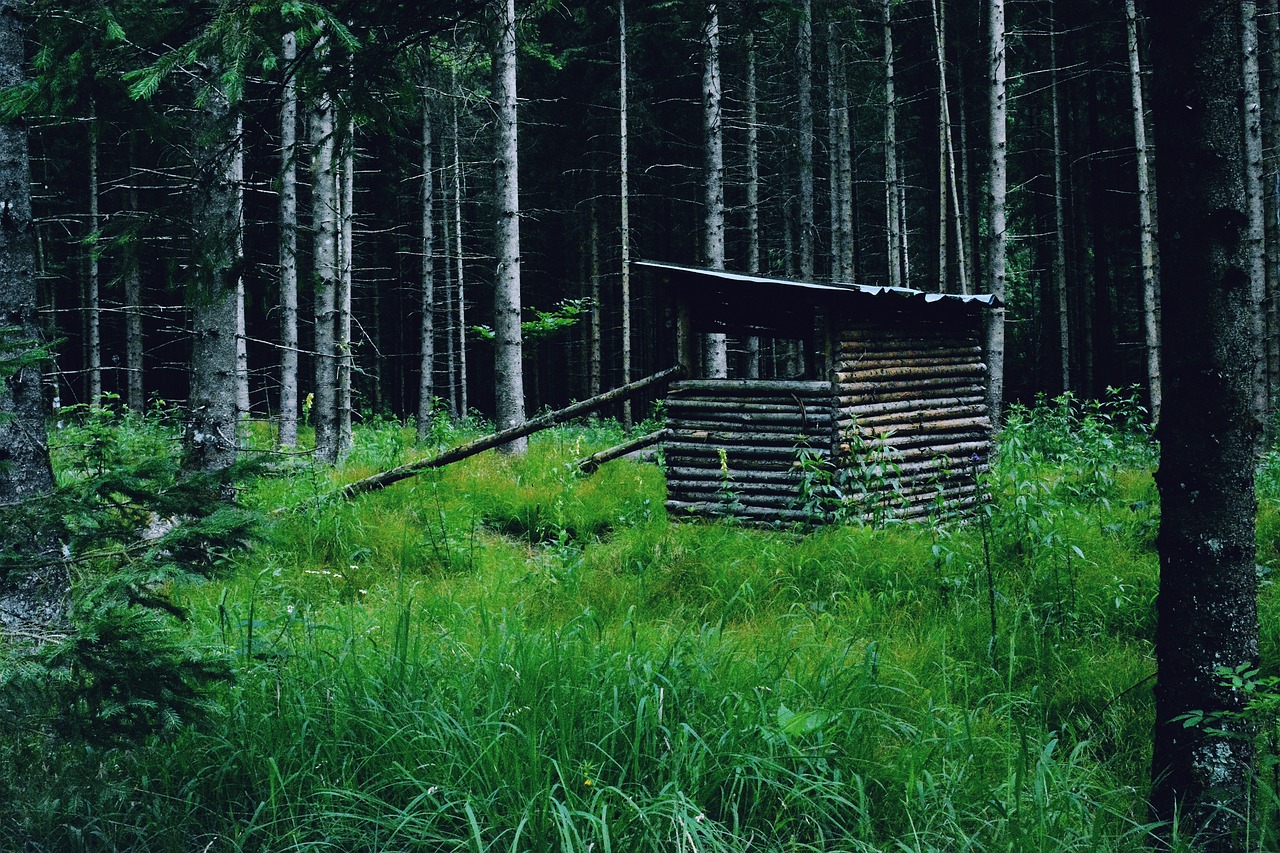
pixel 237 252
pixel 833 154
pixel 508 342
pixel 804 71
pixel 596 368
pixel 1059 218
pixel 717 353
pixel 753 193
pixel 93 292
pixel 460 289
pixel 1209 427
pixel 624 206
pixel 1146 223
pixel 1271 199
pixel 39 595
pixel 996 191
pixel 209 440
pixel 324 228
pixel 133 342
pixel 289 246
pixel 427 304
pixel 343 346
pixel 893 216
pixel 1253 180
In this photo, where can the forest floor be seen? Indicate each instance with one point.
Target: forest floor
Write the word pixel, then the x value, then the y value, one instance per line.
pixel 507 655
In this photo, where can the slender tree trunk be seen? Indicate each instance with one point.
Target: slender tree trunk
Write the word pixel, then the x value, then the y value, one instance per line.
pixel 944 121
pixel 289 247
pixel 344 347
pixel 1059 219
pixel 133 342
pixel 209 441
pixel 833 153
pixel 893 216
pixel 1146 225
pixel 460 288
pixel 753 194
pixel 844 142
pixel 450 300
pixel 324 227
pixel 39 594
pixel 93 293
pixel 508 343
pixel 717 355
pixel 624 212
pixel 1253 160
pixel 1209 428
pixel 242 341
pixel 804 70
pixel 427 305
pixel 596 369
pixel 1271 198
pixel 998 238
pixel 950 179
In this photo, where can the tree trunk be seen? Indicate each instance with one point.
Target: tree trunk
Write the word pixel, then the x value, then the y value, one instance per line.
pixel 1059 218
pixel 893 217
pixel 1271 199
pixel 1253 180
pixel 343 347
pixel 289 246
pixel 624 212
pixel 38 595
pixel 804 70
pixel 93 293
pixel 753 193
pixel 944 122
pixel 1146 225
pixel 209 441
pixel 460 289
pixel 1209 428
pixel 717 354
pixel 998 237
pixel 133 342
pixel 427 305
pixel 237 251
pixel 508 343
pixel 838 272
pixel 596 368
pixel 962 264
pixel 324 226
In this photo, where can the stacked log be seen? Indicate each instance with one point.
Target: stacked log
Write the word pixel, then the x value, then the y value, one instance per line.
pixel 912 402
pixel 732 446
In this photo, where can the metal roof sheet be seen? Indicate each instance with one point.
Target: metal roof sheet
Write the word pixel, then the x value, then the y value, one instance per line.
pixel 820 287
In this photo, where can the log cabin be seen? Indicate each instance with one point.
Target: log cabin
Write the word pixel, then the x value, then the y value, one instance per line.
pixel 841 401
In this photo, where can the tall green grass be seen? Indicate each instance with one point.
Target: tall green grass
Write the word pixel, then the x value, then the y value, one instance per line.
pixel 507 656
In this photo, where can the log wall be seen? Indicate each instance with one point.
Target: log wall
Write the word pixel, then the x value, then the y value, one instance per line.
pixel 911 399
pixel 732 446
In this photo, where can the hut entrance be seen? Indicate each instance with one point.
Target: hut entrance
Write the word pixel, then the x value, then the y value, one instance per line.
pixel 875 408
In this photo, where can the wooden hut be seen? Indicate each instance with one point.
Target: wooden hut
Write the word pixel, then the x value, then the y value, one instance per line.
pixel 841 400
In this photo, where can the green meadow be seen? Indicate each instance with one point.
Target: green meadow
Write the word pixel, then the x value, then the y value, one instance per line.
pixel 507 655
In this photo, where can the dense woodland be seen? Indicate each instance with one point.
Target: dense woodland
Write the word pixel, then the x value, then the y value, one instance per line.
pixel 251 252
pixel 851 133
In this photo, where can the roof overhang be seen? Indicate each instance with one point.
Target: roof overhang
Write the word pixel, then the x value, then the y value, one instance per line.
pixel 816 292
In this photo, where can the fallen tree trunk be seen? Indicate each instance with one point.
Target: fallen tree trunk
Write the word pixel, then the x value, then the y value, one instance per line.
pixel 590 464
pixel 497 439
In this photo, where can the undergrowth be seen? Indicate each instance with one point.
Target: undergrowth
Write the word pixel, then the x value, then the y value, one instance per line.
pixel 506 655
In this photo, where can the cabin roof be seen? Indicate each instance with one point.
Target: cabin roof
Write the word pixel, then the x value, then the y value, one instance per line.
pixel 816 290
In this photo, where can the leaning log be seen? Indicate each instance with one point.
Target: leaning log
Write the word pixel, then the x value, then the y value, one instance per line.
pixel 592 463
pixel 497 439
